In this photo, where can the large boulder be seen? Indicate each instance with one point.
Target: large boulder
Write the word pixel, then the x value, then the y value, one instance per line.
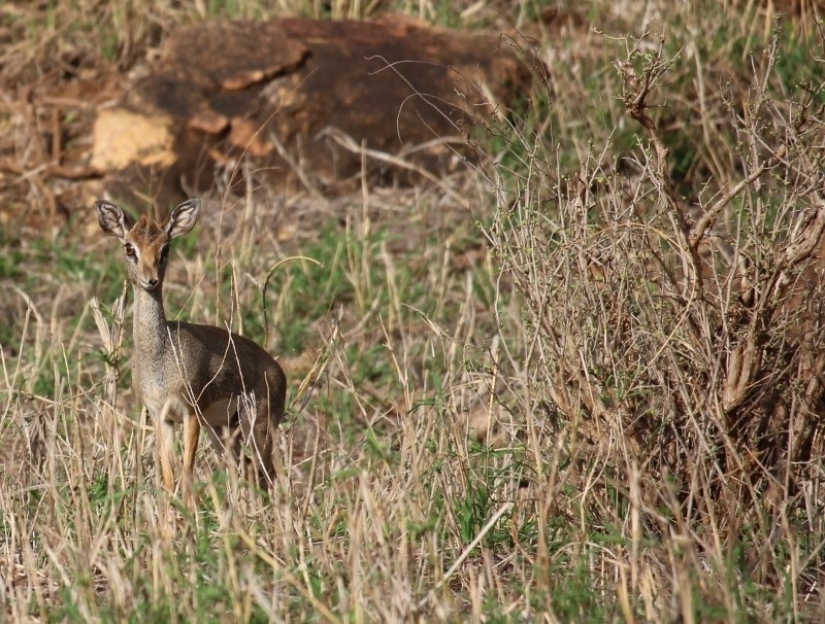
pixel 303 103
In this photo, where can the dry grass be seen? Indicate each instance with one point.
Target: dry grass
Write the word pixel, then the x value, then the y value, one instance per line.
pixel 595 396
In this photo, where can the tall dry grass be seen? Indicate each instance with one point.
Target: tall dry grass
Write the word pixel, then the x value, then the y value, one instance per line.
pixel 595 398
pixel 673 330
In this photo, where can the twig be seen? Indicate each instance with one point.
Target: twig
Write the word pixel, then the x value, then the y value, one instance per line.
pixel 465 553
pixel 349 144
pixel 702 224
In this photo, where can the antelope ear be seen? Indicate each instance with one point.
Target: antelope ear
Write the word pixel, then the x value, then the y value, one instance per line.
pixel 183 218
pixel 112 219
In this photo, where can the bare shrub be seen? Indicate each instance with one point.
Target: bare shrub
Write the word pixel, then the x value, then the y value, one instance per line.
pixel 679 339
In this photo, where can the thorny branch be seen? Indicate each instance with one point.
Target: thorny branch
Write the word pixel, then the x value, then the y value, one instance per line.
pixel 746 346
pixel 636 91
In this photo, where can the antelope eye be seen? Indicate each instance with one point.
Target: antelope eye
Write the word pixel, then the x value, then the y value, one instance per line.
pixel 130 250
pixel 164 253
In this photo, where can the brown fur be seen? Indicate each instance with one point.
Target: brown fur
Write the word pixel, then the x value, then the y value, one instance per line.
pixel 193 374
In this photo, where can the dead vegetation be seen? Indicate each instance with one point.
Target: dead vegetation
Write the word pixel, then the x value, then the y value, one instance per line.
pixel 596 397
pixel 678 335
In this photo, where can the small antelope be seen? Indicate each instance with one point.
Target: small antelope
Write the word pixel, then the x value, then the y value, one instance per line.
pixel 193 374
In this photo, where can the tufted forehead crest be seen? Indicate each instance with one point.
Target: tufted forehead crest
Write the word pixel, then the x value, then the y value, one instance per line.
pixel 146 230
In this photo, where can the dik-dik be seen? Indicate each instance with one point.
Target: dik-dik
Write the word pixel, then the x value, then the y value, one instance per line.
pixel 193 374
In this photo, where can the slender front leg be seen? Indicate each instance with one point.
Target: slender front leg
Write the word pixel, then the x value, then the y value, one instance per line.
pixel 191 433
pixel 165 432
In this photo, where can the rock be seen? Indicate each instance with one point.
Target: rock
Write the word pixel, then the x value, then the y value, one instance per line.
pixel 122 137
pixel 298 98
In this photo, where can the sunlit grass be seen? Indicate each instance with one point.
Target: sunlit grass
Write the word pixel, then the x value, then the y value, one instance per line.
pixel 438 461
